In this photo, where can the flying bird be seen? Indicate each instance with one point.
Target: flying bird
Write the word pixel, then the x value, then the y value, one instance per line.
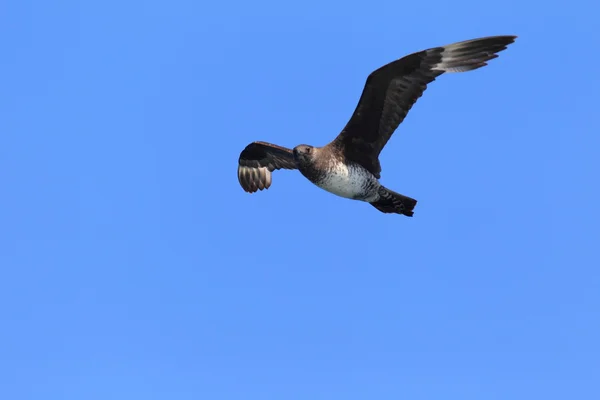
pixel 349 165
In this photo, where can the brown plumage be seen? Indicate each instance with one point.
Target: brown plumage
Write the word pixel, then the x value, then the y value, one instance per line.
pixel 392 90
pixel 258 160
pixel 349 165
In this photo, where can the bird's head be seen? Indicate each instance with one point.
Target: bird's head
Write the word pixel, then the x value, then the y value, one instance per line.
pixel 304 152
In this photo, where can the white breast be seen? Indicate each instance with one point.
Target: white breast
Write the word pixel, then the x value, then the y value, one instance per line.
pixel 344 181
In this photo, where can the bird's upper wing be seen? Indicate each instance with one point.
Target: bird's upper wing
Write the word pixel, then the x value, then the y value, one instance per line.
pixel 258 160
pixel 392 90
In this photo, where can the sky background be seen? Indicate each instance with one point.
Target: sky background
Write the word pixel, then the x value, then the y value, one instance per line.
pixel 134 266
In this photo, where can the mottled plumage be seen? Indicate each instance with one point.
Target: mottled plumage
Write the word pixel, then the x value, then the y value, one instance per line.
pixel 349 165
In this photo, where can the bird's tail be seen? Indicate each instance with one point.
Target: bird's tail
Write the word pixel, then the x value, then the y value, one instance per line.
pixel 392 202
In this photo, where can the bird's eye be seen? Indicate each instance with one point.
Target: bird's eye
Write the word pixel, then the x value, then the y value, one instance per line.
pixel 308 149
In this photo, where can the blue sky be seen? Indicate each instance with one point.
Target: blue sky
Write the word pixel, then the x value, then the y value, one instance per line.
pixel 134 266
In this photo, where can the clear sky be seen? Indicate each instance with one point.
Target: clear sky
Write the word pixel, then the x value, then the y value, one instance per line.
pixel 135 267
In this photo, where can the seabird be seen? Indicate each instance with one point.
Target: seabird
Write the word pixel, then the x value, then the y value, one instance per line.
pixel 349 165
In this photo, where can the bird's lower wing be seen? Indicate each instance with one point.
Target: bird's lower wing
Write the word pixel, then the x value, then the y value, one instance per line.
pixel 257 162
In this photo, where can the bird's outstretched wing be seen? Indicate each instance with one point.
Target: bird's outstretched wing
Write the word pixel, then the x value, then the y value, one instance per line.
pixel 258 160
pixel 392 90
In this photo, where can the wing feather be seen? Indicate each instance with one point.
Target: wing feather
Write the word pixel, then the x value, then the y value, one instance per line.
pixel 391 91
pixel 257 162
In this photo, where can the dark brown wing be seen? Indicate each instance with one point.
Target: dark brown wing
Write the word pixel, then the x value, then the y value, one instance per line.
pixel 258 160
pixel 392 90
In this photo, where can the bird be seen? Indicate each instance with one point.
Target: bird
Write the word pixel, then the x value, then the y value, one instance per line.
pixel 349 165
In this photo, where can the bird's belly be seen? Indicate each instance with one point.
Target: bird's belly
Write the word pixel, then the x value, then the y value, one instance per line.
pixel 348 182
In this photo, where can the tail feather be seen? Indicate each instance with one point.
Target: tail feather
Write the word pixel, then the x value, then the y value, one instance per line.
pixel 392 202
